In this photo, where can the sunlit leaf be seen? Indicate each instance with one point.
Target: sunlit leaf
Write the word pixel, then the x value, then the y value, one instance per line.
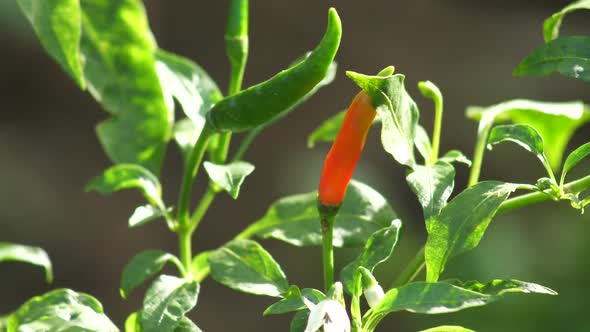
pixel 26 254
pixel 552 24
pixel 448 328
pixel 295 220
pixel 166 302
pixel 422 143
pixel 574 158
pixel 293 300
pixel 200 265
pixel 462 223
pixel 143 266
pixel 455 156
pixel 245 266
pixel 230 176
pixel 433 185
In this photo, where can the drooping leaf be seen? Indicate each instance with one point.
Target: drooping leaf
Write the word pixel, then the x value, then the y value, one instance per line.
pixel 144 214
pixel 422 143
pixel 127 176
pixel 462 223
pixel 120 71
pixel 143 266
pixel 443 297
pixel 27 254
pixel 166 302
pixel 552 24
pixel 433 185
pixel 295 220
pixel 447 328
pixel 293 301
pixel 327 131
pixel 455 156
pixel 245 266
pixel 524 135
pixel 574 158
pixel 556 122
pixel 398 112
pixel 568 55
pixel 61 310
pixel 377 250
pixel 299 321
pixel 185 81
pixel 200 265
pixel 230 176
pixel 58 26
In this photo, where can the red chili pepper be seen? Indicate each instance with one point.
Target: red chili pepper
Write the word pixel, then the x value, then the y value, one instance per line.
pixel 346 151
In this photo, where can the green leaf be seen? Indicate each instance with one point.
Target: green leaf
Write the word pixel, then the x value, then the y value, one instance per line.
pixel 498 287
pixel 443 297
pixel 295 220
pixel 574 158
pixel 230 176
pixel 61 310
pixel 185 135
pixel 27 254
pixel 455 156
pixel 185 81
pixel 293 301
pixel 556 122
pixel 422 142
pixel 398 112
pixel 377 250
pixel 4 323
pixel 127 176
pixel 187 325
pixel 57 24
pixel 143 266
pixel 327 131
pixel 145 214
pixel 552 24
pixel 263 103
pixel 433 185
pixel 462 223
pixel 120 70
pixel 166 302
pixel 524 135
pixel 569 56
pixel 132 323
pixel 448 328
pixel 299 321
pixel 200 265
pixel 245 266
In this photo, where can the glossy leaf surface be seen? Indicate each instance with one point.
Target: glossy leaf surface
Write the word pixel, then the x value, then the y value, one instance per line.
pixel 27 254
pixel 462 223
pixel 293 300
pixel 245 266
pixel 166 302
pixel 552 24
pixel 230 176
pixel 61 310
pixel 556 122
pixel 295 220
pixel 143 266
pixel 397 110
pixel 574 158
pixel 433 185
pixel 58 26
pixel 568 55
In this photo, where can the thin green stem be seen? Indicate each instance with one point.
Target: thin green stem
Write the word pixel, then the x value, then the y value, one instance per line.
pixel 438 112
pixel 480 146
pixel 185 247
pixel 252 134
pixel 203 206
pixel 418 263
pixel 327 225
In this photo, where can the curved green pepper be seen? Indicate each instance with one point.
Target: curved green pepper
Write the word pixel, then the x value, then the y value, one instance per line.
pixel 262 102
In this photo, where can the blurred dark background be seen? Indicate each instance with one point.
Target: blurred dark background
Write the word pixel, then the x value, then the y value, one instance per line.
pixel 48 151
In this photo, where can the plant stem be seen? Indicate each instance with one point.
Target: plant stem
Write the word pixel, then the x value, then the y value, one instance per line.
pixel 246 142
pixel 438 112
pixel 418 262
pixel 185 247
pixel 482 137
pixel 203 206
pixel 327 225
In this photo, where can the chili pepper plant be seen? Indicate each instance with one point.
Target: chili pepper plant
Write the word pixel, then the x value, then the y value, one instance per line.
pixel 107 48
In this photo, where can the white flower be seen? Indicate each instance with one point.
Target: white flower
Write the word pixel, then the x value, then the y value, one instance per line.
pixel 328 313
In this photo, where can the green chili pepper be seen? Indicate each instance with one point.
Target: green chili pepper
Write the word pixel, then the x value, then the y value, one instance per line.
pixel 263 102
